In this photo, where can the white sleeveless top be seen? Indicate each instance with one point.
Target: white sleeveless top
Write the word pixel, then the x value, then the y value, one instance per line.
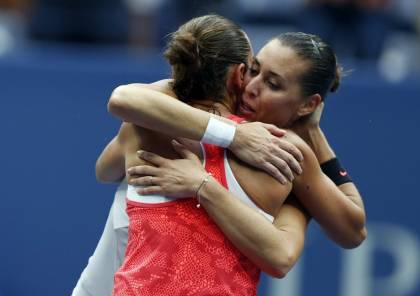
pixel 232 184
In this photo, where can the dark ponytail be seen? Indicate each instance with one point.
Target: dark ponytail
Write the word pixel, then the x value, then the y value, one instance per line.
pixel 200 53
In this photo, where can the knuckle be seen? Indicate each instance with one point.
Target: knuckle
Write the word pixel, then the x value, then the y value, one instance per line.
pixel 283 165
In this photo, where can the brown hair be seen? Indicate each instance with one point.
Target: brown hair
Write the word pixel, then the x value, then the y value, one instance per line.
pixel 200 53
pixel 324 73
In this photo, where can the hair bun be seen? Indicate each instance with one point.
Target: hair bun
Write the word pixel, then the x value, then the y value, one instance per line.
pixel 184 49
pixel 337 79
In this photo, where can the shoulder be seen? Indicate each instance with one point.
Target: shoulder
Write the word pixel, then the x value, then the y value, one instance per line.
pixel 309 158
pixel 163 86
pixel 264 190
pixel 294 139
pixel 126 132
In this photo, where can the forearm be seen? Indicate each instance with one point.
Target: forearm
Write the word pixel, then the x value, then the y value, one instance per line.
pixel 316 139
pixel 110 165
pixel 340 213
pixel 157 111
pixel 272 249
pixel 107 173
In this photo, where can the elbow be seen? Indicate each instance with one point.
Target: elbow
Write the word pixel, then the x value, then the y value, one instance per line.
pixel 116 102
pixel 359 238
pixel 356 239
pixel 278 273
pixel 100 176
pixel 282 265
pixel 104 176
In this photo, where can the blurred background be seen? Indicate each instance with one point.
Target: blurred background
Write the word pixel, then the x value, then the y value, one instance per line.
pixel 60 60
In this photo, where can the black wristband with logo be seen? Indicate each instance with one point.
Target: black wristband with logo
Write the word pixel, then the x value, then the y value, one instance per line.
pixel 333 169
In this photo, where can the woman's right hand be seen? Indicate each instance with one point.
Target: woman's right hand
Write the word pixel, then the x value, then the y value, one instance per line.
pixel 261 146
pixel 179 178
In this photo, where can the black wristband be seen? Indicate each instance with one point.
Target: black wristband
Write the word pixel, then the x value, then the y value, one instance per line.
pixel 333 169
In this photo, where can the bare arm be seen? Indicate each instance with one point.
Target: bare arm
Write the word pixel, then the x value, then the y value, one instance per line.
pixel 339 212
pixel 110 165
pixel 153 107
pixel 338 209
pixel 274 247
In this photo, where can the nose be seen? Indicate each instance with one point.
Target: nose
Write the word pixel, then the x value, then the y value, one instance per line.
pixel 252 88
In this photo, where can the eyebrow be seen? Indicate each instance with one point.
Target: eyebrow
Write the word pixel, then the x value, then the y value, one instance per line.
pixel 276 75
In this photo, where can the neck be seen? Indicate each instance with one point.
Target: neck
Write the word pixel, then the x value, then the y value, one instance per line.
pixel 209 105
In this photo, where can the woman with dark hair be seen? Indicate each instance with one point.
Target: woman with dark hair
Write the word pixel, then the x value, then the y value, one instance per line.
pixel 175 247
pixel 285 85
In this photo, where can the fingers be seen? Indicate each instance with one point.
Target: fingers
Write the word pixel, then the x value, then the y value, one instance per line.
pixel 156 190
pixel 282 157
pixel 151 157
pixel 183 151
pixel 274 130
pixel 143 170
pixel 283 167
pixel 145 181
pixel 273 171
pixel 290 148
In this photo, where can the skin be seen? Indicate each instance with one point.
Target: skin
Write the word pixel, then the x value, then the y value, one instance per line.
pixel 272 93
pixel 260 240
pixel 285 246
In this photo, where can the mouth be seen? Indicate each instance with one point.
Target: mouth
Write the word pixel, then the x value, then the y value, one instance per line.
pixel 245 109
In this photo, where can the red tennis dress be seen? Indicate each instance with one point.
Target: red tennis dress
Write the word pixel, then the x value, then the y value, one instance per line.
pixel 174 248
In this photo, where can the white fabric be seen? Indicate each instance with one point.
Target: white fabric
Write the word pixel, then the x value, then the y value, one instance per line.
pixel 97 278
pixel 150 199
pixel 237 190
pixel 219 133
pixel 232 183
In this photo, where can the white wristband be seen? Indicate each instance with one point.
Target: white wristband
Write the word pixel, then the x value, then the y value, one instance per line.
pixel 219 133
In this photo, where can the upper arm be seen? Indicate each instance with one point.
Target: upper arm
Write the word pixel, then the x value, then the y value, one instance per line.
pixel 163 86
pixel 292 220
pixel 110 165
pixel 313 184
pixel 338 209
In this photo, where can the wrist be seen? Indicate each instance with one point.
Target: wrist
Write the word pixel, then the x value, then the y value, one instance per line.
pixel 335 171
pixel 318 142
pixel 201 187
pixel 219 133
pixel 209 191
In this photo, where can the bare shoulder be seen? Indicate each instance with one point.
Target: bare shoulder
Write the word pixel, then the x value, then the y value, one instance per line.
pixel 127 132
pixel 294 139
pixel 265 191
pixel 163 86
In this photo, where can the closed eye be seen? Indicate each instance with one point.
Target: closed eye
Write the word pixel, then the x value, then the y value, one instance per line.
pixel 253 71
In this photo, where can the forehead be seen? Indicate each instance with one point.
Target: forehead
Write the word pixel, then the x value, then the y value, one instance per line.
pixel 281 59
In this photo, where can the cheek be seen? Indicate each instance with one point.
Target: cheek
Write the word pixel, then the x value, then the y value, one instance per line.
pixel 247 78
pixel 277 111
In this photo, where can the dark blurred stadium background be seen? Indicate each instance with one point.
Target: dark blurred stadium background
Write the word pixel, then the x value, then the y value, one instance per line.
pixel 60 60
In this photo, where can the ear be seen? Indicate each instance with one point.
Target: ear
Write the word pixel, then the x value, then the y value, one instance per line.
pixel 236 77
pixel 309 105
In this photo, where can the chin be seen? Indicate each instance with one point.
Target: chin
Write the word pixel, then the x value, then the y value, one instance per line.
pixel 247 116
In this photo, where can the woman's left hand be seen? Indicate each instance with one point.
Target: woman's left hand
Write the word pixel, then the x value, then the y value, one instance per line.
pixel 168 177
